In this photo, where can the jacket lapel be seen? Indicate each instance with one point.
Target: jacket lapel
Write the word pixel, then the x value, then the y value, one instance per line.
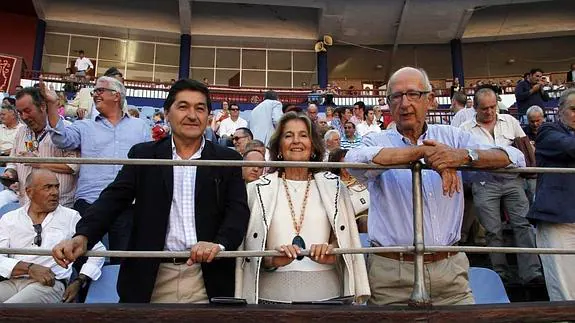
pixel 164 151
pixel 328 185
pixel 203 173
pixel 267 189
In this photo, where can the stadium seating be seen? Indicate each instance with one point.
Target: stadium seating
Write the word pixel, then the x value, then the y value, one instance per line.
pixel 487 286
pixel 103 290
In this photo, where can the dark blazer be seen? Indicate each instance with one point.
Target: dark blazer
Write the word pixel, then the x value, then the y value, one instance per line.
pixel 221 214
pixel 554 147
pixel 570 76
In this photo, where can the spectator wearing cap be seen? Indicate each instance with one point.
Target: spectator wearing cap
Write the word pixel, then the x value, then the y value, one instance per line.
pixel 265 116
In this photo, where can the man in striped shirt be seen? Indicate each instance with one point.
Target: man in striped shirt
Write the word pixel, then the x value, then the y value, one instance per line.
pixel 350 139
pixel 33 141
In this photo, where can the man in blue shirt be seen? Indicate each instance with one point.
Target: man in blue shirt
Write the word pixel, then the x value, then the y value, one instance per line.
pixel 110 135
pixel 390 221
pixel 529 92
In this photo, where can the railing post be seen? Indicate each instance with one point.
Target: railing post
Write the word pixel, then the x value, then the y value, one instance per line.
pixel 419 296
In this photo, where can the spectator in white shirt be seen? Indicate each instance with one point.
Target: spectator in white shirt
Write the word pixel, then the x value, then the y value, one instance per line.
pixel 492 128
pixel 8 129
pixel 41 224
pixel 463 115
pixel 229 125
pixel 83 65
pixel 369 124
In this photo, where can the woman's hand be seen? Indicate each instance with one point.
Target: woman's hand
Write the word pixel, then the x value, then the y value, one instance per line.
pixel 321 253
pixel 290 253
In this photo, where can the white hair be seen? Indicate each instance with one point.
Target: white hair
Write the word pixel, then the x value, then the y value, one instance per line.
pixel 424 78
pixel 534 109
pixel 564 97
pixel 117 86
pixel 329 134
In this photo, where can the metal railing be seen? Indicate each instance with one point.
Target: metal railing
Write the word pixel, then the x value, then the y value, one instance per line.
pixel 419 296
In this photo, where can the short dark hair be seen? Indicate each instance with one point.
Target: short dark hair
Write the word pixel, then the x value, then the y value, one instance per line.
pixel 34 93
pixel 80 52
pixel 335 157
pixel 366 111
pixel 460 98
pixel 231 104
pixel 361 105
pixel 160 114
pixel 270 95
pixel 246 132
pixel 318 148
pixel 340 111
pixel 535 70
pixel 349 122
pixel 11 100
pixel 183 85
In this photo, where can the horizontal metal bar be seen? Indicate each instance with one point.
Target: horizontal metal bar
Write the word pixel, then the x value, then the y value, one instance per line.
pixel 241 163
pixel 269 253
pixel 184 254
pixel 559 251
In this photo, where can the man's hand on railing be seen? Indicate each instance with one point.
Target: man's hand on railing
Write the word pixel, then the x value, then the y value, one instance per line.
pixel 67 251
pixel 443 156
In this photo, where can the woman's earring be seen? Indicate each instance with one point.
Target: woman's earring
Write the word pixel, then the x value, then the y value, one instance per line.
pixel 313 156
pixel 280 156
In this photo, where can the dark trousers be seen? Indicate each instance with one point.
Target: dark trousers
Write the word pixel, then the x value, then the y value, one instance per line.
pixel 119 232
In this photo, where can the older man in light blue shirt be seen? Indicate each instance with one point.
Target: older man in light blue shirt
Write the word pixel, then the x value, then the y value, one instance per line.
pixel 390 222
pixel 110 135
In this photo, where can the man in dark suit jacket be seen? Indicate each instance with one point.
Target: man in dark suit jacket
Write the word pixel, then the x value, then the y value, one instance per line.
pixel 554 209
pixel 216 208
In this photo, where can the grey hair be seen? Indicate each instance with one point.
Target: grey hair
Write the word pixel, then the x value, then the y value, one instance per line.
pixel 329 133
pixel 424 78
pixel 34 173
pixel 534 109
pixel 564 97
pixel 116 86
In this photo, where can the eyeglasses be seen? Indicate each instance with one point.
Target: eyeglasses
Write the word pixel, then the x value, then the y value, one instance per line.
pixel 100 90
pixel 234 109
pixel 395 98
pixel 38 237
pixel 237 138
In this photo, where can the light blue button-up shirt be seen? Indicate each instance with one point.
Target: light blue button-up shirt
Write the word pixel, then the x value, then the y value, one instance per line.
pixel 390 221
pixel 99 138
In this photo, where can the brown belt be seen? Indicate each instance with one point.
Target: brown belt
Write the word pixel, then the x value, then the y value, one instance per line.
pixel 427 258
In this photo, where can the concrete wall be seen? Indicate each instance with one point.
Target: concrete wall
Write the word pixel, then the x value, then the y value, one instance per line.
pixel 481 60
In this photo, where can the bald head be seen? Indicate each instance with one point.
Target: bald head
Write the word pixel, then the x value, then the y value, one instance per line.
pixel 43 189
pixel 39 176
pixel 409 71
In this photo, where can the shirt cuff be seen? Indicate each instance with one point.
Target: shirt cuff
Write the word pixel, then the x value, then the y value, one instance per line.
pixel 91 270
pixel 222 247
pixel 515 156
pixel 7 266
pixel 59 129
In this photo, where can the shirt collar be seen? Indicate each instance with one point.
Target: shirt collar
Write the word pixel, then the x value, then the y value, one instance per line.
pixel 196 155
pixel 48 217
pixel 405 139
pixel 101 117
pixel 499 118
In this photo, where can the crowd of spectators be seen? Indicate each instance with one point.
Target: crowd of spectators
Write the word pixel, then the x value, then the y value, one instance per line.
pixel 394 132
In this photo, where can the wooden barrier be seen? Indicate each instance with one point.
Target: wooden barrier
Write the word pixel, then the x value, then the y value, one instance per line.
pixel 516 312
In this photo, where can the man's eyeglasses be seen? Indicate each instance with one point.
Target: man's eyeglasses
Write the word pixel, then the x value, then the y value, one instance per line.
pixel 38 237
pixel 234 109
pixel 237 138
pixel 100 90
pixel 395 98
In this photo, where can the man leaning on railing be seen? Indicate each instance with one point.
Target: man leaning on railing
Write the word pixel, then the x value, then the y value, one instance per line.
pixel 553 209
pixel 390 222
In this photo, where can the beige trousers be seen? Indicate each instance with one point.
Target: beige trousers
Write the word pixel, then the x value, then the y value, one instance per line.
pixel 179 284
pixel 559 269
pixel 446 281
pixel 25 290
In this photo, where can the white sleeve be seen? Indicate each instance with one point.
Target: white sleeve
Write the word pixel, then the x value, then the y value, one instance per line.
pixel 7 264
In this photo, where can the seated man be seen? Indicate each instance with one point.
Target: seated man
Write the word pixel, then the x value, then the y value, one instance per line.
pixel 390 222
pixel 41 224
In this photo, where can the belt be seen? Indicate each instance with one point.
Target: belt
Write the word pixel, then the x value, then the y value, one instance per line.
pixel 174 261
pixel 427 258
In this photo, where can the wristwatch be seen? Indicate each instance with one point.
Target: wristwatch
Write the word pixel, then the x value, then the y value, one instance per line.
pixel 472 155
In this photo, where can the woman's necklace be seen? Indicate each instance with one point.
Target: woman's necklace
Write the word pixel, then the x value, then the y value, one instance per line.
pixel 297 240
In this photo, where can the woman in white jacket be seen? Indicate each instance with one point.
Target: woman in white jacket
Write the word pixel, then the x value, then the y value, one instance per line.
pixel 294 209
